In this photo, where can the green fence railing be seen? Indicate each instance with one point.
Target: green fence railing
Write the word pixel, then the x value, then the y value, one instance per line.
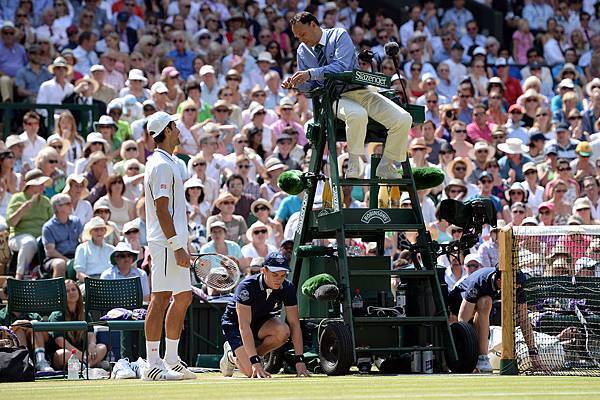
pixel 8 111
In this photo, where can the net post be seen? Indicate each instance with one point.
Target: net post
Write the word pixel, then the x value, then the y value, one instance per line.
pixel 508 363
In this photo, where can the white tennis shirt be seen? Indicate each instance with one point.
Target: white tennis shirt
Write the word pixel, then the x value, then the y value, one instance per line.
pixel 162 178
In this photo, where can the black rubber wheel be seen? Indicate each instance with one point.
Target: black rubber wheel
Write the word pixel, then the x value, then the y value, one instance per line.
pixel 335 349
pixel 467 348
pixel 274 360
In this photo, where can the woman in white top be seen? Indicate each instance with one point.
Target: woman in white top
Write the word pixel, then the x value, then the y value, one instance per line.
pixel 188 133
pixel 94 142
pixel 197 169
pixel 66 128
pixel 198 207
pixel 134 179
pixel 122 209
pixel 92 256
pixel 10 182
pixel 257 234
pixel 536 192
pixel 270 189
pixel 76 188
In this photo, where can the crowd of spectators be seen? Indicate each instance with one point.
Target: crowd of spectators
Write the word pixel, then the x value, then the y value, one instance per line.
pixel 513 121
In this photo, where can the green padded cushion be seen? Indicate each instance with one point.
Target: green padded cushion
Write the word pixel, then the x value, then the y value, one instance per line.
pixel 312 284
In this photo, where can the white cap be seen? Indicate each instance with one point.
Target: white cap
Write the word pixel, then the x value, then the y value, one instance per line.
pixel 472 257
pixel 97 67
pixel 265 56
pixel 206 69
pixel 159 87
pixel 479 50
pixel 158 121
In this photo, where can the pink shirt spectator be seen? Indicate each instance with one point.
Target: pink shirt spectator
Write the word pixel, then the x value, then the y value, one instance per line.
pixel 524 42
pixel 475 133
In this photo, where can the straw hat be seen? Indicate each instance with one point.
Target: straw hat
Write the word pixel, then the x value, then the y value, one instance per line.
pixel 95 137
pixel 57 138
pixel 122 247
pixel 217 224
pixel 273 164
pixel 94 223
pixel 60 62
pixel 419 143
pixel 515 187
pixel 136 75
pixel 464 160
pixel 513 146
pixel 455 182
pixel 568 67
pixel 255 226
pixel 14 140
pixel 36 177
pixel 482 145
pixel 223 197
pixel 80 179
pixel 591 85
pixel 86 80
pixel 260 202
pixel 94 158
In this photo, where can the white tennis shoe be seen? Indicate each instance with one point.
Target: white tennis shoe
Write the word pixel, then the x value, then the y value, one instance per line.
pixel 160 372
pixel 226 365
pixel 122 370
pixel 181 367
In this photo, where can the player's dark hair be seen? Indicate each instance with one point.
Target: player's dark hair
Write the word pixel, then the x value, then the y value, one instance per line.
pixel 304 18
pixel 162 135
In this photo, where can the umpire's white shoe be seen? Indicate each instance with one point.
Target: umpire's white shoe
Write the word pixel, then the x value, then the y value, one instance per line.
pixel 181 367
pixel 160 372
pixel 226 365
pixel 483 364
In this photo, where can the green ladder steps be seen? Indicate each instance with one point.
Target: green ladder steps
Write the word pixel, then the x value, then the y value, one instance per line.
pixel 365 220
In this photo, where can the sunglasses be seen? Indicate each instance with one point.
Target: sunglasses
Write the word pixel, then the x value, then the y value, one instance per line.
pixel 456 231
pixel 564 169
pixel 126 255
pixel 541 115
pixel 545 212
pixel 460 168
pixel 228 203
pixel 518 212
pixel 190 110
pixel 531 172
pixel 131 231
pixel 576 117
pixel 456 191
pixel 53 161
pixel 198 164
pixel 261 208
pixel 221 110
pixel 241 141
pixel 460 131
pixel 485 181
pixel 472 265
pixel 561 191
pixel 259 231
pixel 244 166
pixel 133 168
pixel 57 147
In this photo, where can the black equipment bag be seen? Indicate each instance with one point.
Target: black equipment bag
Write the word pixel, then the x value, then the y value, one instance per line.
pixel 15 365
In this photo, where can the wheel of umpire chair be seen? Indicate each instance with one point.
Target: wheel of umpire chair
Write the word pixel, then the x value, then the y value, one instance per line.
pixel 467 348
pixel 335 349
pixel 274 360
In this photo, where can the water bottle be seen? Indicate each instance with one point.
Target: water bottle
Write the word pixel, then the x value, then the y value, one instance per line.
pixel 401 298
pixel 73 366
pixel 357 304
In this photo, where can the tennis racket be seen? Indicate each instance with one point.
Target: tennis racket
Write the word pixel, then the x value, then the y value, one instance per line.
pixel 216 271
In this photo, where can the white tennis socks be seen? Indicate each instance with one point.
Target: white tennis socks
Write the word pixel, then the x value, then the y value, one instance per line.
pixel 152 354
pixel 172 346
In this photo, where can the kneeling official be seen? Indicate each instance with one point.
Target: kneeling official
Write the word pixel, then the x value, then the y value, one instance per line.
pixel 253 316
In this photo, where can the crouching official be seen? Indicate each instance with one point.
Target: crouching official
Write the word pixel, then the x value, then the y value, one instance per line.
pixel 251 323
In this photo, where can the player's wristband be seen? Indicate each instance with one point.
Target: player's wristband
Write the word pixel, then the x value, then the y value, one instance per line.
pixel 255 360
pixel 177 242
pixel 299 358
pixel 533 352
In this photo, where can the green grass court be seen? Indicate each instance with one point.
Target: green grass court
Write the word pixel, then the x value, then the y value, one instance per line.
pixel 213 386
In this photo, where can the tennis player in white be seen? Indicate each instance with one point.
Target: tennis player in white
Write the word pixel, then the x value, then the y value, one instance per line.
pixel 166 224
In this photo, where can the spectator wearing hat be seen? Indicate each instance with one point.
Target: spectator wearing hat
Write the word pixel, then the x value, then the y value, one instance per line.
pixel 262 210
pixel 258 246
pixel 93 255
pixel 29 79
pixel 514 125
pixel 518 213
pixel 12 59
pixel 456 189
pixel 486 184
pixel 282 152
pixel 16 145
pixel 83 92
pixel 515 156
pixel 197 206
pixel 270 190
pixel 104 92
pixel 76 188
pixel 26 213
pixel 258 95
pixel 565 86
pixel 582 209
pixel 60 236
pixel 122 261
pixel 226 205
pixel 208 84
pixel 49 162
pixel 220 244
pixel 136 85
pixel 54 90
pixel 418 151
pixel 582 166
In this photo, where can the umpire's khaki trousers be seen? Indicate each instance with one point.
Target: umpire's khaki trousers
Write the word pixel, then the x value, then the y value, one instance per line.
pixel 355 108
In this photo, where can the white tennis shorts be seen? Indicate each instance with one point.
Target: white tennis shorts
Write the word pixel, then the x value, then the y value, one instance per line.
pixel 167 276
